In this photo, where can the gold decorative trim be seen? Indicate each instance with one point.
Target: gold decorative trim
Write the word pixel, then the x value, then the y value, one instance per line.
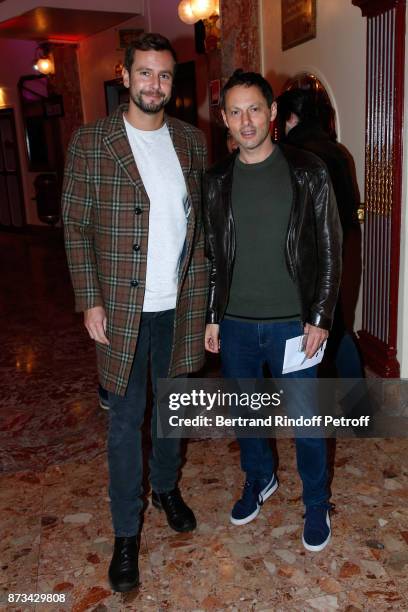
pixel 379 181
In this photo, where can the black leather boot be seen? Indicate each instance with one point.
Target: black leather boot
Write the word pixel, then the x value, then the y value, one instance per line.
pixel 123 569
pixel 179 516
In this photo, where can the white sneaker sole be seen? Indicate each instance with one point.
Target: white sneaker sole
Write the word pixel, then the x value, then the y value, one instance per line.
pixel 247 519
pixel 318 547
pixel 265 493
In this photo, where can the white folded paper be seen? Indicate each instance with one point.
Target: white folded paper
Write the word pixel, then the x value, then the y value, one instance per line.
pixel 295 358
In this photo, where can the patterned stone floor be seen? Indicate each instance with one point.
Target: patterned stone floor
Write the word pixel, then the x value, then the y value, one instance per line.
pixel 54 513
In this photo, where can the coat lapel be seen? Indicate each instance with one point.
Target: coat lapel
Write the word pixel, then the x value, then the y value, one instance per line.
pixel 117 143
pixel 181 146
pixel 183 151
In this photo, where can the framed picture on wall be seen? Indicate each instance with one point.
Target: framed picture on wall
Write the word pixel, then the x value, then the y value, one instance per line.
pixel 298 22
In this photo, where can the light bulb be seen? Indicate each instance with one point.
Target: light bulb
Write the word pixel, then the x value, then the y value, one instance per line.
pixel 44 65
pixel 185 12
pixel 202 9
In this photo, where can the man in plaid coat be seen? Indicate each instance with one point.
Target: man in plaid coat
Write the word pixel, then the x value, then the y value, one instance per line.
pixel 134 242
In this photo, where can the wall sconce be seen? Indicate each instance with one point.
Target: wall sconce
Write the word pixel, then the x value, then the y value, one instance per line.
pixel 44 59
pixel 191 11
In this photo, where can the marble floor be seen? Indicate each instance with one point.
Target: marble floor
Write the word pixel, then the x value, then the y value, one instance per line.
pixel 54 512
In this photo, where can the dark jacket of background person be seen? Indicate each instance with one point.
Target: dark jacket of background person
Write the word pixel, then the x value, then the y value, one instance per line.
pixel 310 136
pixel 313 240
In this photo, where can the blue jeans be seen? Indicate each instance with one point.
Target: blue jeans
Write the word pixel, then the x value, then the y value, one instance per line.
pixel 245 348
pixel 126 416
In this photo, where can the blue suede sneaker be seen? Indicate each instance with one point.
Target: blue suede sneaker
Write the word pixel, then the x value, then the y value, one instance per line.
pixel 253 496
pixel 316 530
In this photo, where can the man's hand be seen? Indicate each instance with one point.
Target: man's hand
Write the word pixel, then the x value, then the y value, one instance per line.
pixel 212 338
pixel 95 323
pixel 315 338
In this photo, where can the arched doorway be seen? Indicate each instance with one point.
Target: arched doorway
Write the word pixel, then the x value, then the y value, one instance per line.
pixel 327 115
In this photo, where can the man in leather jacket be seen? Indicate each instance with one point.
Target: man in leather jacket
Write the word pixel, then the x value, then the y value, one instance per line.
pixel 274 241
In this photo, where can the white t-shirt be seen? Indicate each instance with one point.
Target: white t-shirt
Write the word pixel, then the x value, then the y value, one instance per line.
pixel 163 179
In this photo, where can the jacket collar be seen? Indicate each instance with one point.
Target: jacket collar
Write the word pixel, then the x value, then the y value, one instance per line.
pixel 225 167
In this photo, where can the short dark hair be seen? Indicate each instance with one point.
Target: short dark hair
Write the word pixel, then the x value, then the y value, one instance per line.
pixel 247 79
pixel 148 41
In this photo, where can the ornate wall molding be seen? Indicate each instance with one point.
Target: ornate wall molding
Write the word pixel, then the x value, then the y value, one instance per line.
pixel 372 8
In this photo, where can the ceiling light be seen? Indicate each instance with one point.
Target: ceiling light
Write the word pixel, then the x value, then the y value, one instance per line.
pixel 44 60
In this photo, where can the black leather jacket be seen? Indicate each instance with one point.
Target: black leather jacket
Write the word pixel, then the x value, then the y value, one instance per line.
pixel 313 240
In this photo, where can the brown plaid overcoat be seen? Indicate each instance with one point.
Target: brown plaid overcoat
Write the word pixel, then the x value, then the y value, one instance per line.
pixel 106 212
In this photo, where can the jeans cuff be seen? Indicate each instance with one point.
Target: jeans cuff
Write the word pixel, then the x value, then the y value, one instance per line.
pixel 164 489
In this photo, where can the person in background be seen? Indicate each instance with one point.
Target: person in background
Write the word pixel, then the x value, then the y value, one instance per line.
pixel 300 117
pixel 230 141
pixel 135 249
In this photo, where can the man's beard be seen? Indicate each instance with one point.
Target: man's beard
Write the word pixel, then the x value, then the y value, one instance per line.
pixel 153 107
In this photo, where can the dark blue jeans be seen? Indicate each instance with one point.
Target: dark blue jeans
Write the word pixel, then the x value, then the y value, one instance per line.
pixel 245 348
pixel 126 418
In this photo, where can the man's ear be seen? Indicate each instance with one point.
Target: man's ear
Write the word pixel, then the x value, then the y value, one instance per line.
pixel 224 116
pixel 274 110
pixel 125 77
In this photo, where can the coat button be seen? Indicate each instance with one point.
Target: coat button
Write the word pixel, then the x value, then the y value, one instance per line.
pixel 134 283
pixel 136 247
pixel 138 210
